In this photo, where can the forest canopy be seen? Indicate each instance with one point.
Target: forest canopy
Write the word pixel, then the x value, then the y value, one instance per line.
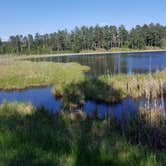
pixel 87 38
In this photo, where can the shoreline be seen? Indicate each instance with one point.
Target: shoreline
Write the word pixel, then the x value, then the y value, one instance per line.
pixel 78 54
pixel 91 53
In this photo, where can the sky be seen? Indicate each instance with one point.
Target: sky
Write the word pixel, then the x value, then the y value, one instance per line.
pixel 46 16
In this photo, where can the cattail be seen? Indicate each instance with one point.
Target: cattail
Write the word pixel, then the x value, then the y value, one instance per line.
pixel 162 96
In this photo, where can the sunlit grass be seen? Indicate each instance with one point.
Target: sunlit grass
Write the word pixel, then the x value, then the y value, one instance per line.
pixel 138 85
pixel 22 74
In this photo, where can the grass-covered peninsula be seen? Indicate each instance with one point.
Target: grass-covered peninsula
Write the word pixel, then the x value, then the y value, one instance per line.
pixel 17 74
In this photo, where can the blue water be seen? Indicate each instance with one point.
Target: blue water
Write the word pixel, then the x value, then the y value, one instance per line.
pixel 43 97
pixel 37 97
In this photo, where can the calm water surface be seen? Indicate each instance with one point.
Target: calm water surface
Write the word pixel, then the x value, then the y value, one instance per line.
pixel 43 97
pixel 129 63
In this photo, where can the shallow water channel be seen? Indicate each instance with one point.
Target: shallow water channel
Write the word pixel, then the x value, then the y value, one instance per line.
pixel 39 97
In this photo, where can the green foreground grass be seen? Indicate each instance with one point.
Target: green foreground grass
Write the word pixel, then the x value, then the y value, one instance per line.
pixel 36 137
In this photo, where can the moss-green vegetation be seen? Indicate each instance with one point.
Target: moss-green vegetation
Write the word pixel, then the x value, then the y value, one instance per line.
pixel 95 89
pixel 36 137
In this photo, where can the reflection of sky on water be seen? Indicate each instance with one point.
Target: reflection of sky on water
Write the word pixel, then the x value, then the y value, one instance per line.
pixel 43 97
pixel 37 97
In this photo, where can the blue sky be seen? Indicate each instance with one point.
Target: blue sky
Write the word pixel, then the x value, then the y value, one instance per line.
pixel 31 16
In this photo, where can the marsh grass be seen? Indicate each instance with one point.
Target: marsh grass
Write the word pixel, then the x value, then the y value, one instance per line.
pixel 22 74
pixel 42 138
pixel 147 127
pixel 74 95
pixel 150 86
pixel 112 89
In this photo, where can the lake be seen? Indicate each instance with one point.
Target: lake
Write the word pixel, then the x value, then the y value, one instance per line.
pixel 128 63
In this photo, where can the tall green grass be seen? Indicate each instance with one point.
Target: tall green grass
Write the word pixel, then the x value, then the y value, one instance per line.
pixel 38 137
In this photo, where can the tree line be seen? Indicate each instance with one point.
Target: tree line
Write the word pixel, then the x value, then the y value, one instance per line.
pixel 87 38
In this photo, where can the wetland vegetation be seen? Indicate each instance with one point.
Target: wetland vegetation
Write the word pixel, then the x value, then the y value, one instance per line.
pixel 72 136
pixel 22 74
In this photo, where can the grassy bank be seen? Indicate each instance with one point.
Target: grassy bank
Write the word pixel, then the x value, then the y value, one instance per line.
pixel 36 137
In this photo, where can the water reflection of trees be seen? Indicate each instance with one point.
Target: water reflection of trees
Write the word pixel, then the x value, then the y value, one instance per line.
pixel 110 64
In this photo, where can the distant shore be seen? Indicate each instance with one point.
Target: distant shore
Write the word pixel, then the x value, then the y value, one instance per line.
pixel 83 53
pixel 96 52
